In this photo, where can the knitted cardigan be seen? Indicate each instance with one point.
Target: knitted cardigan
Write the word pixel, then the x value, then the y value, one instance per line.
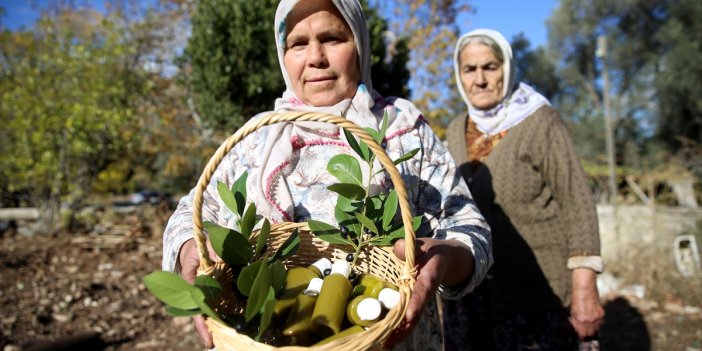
pixel 535 196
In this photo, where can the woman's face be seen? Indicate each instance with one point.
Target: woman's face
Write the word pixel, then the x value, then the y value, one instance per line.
pixel 481 75
pixel 320 54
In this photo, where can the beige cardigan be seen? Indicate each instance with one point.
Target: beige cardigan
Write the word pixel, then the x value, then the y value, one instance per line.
pixel 535 196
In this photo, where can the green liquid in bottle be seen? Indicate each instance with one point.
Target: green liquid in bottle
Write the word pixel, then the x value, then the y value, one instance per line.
pixel 331 304
pixel 299 325
pixel 296 280
pixel 363 311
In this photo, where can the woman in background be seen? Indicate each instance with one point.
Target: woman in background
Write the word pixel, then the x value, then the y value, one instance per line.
pixel 517 158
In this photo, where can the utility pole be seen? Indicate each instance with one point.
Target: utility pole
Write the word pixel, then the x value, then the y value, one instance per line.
pixel 602 54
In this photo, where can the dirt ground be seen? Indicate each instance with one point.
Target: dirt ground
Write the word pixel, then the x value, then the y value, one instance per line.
pixel 83 291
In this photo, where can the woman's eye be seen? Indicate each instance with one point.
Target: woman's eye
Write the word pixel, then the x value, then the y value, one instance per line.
pixel 297 45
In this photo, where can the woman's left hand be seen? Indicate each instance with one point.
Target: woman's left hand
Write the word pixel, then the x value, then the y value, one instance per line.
pixel 586 312
pixel 432 256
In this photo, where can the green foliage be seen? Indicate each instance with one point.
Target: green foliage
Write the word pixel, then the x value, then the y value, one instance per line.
pixel 389 56
pixel 655 94
pixel 67 103
pixel 260 275
pixel 363 219
pixel 235 71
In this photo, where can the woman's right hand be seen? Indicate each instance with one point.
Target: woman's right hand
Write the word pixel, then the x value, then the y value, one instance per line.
pixel 189 261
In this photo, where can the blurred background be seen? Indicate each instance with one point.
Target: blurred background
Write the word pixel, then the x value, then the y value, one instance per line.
pixel 109 111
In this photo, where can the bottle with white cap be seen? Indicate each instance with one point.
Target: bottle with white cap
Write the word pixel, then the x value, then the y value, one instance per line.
pixel 296 280
pixel 389 298
pixel 299 323
pixel 363 311
pixel 329 310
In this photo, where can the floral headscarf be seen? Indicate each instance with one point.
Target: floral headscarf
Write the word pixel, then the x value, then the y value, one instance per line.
pixel 516 105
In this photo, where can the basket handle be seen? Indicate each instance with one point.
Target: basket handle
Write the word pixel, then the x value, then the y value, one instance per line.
pixel 253 125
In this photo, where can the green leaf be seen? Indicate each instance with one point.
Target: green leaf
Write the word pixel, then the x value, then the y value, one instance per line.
pixel 289 247
pixel 346 169
pixel 384 125
pixel 177 312
pixel 406 156
pixel 259 292
pixel 375 134
pixel 389 209
pixel 345 204
pixel 247 276
pixel 350 191
pixel 262 237
pixel 209 286
pixel 374 207
pixel 239 191
pixel 361 150
pixel 248 221
pixel 417 222
pixel 367 222
pixel 171 289
pixel 326 232
pixel 199 297
pixel 266 313
pixel 227 196
pixel 348 220
pixel 231 246
pixel 278 273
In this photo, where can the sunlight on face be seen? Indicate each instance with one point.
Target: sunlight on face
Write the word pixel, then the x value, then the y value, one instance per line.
pixel 482 76
pixel 320 54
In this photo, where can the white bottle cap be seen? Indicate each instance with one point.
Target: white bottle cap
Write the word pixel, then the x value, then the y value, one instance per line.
pixel 314 285
pixel 389 297
pixel 323 264
pixel 341 267
pixel 368 309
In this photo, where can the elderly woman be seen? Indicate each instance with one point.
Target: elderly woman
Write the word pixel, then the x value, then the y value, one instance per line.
pixel 518 160
pixel 324 53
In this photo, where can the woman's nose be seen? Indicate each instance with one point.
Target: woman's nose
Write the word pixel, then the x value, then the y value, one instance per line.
pixel 316 56
pixel 480 77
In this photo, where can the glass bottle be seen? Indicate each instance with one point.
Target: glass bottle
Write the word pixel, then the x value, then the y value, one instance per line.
pixel 296 280
pixel 299 323
pixel 363 311
pixel 389 298
pixel 331 304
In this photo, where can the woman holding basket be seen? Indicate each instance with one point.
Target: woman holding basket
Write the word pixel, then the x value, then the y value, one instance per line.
pixel 324 53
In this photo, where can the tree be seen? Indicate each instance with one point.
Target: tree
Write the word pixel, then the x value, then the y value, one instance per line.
pixel 535 67
pixel 74 102
pixel 231 52
pixel 431 30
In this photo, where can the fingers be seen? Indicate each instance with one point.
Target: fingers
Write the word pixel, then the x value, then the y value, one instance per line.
pixel 203 331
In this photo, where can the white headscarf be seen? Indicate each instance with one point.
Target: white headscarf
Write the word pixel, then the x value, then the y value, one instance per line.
pixel 366 109
pixel 516 105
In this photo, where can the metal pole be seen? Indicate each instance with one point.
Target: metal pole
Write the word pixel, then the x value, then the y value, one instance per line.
pixel 609 133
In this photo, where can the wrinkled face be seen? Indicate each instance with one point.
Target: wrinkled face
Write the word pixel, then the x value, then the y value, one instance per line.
pixel 482 76
pixel 320 54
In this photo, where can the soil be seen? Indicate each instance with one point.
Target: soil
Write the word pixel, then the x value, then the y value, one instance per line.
pixel 83 290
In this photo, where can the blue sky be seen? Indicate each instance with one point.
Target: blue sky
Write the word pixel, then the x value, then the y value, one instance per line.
pixel 510 17
pixel 507 16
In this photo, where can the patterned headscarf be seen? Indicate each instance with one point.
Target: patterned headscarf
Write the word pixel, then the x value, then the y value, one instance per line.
pixel 515 106
pixel 365 108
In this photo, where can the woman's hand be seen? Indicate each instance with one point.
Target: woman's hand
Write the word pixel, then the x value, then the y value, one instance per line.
pixel 189 261
pixel 432 256
pixel 586 312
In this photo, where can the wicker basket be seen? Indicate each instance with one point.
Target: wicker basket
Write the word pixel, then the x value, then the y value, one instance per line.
pixel 376 261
